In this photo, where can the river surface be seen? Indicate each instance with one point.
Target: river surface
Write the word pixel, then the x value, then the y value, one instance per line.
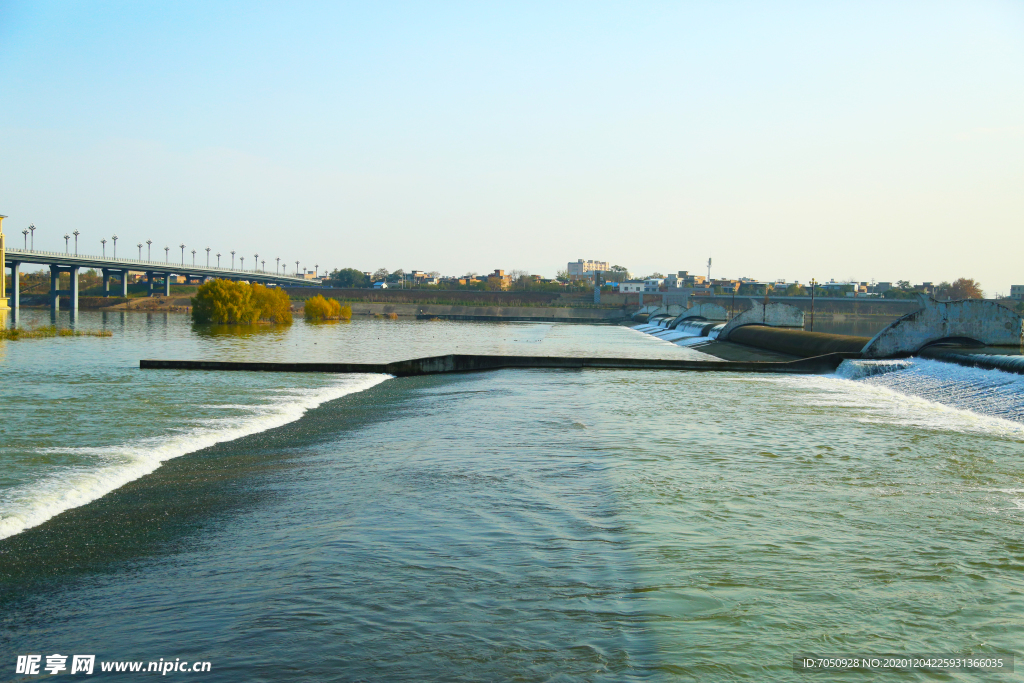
pixel 523 525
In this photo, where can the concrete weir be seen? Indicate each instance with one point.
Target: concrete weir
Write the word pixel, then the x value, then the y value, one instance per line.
pixel 473 363
pixel 770 314
pixel 970 320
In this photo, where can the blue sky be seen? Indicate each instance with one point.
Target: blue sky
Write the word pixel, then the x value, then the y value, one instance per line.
pixel 785 140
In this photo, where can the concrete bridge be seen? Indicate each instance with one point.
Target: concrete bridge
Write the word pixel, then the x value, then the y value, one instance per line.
pixel 157 273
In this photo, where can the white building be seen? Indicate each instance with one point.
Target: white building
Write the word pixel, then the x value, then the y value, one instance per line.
pixel 631 286
pixel 380 285
pixel 1017 292
pixel 579 267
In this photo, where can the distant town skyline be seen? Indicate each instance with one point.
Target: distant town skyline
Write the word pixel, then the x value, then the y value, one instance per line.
pixel 785 140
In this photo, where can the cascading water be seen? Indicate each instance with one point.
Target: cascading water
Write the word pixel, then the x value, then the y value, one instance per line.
pixel 686 333
pixel 993 393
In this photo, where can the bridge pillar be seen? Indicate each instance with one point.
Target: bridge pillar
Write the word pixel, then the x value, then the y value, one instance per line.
pixel 167 284
pixel 124 284
pixel 3 285
pixel 149 282
pixel 54 289
pixel 73 271
pixel 15 284
pixel 106 282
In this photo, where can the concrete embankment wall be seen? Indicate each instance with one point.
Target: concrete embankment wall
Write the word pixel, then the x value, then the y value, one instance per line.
pixel 796 342
pixel 522 313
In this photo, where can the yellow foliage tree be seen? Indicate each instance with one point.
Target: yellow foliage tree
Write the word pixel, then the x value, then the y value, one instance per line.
pixel 319 308
pixel 239 303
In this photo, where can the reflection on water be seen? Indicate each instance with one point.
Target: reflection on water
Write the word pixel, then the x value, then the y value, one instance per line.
pixel 209 330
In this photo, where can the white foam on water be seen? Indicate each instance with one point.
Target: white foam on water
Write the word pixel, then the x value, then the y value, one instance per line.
pixel 927 394
pixel 27 506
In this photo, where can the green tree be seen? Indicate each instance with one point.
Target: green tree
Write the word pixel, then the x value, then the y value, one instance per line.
pixel 347 277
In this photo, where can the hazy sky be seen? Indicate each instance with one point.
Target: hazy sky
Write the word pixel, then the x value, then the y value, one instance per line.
pixel 785 140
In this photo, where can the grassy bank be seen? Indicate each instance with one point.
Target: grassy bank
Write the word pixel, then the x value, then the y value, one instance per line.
pixel 49 331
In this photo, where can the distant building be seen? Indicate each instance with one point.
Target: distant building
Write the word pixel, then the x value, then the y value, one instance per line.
pixel 580 267
pixel 1017 292
pixel 498 279
pixel 380 285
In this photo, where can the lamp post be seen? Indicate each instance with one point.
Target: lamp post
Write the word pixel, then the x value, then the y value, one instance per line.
pixel 277 270
pixel 139 245
pixel 218 259
pixel 193 258
pixel 264 266
pixel 167 254
pixel 149 250
pixel 812 304
pixel 66 238
pixel 296 269
pixel 32 229
pixel 256 262
pixel 316 269
pixel 25 233
pixel 115 245
pixel 241 263
pixel 232 259
pixel 104 243
pixel 207 257
pixel 76 234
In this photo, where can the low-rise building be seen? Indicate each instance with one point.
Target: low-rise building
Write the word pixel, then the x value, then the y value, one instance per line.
pixel 632 286
pixel 380 284
pixel 1017 292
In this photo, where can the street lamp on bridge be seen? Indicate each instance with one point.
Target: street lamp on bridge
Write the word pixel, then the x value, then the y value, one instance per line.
pixel 264 266
pixel 207 257
pixel 25 233
pixel 115 246
pixel 66 238
pixel 32 240
pixel 218 259
pixel 182 253
pixel 167 254
pixel 76 234
pixel 149 250
pixel 140 250
pixel 256 262
pixel 232 259
pixel 104 243
pixel 241 263
pixel 316 269
pixel 277 270
pixel 193 258
pixel 296 269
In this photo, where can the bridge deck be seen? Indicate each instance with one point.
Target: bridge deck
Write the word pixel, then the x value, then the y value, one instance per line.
pixel 66 260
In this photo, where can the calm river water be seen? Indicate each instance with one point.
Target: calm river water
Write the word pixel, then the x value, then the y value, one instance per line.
pixel 512 525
